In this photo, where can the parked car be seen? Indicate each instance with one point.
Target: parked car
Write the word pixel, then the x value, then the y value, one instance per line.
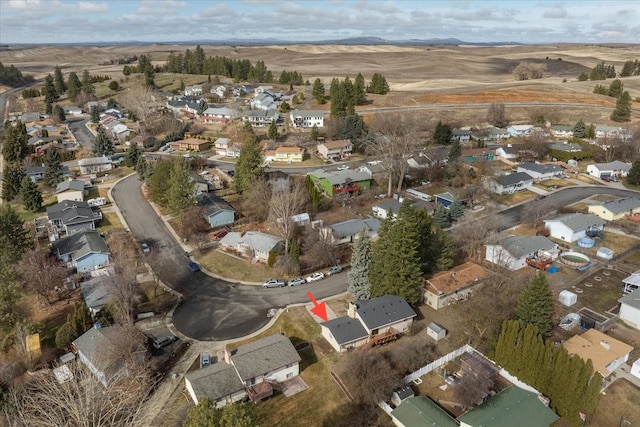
pixel 343 167
pixel 164 341
pixel 315 277
pixel 614 178
pixel 540 197
pixel 297 281
pixel 220 234
pixel 274 283
pixel 145 248
pixel 334 270
pixel 193 266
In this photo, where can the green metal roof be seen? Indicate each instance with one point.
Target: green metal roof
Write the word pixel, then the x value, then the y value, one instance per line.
pixel 422 411
pixel 511 407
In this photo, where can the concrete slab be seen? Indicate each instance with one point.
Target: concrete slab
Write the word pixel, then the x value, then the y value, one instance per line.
pixel 330 313
pixel 293 386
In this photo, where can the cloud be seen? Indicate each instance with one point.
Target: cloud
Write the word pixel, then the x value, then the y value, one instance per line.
pixel 555 13
pixel 87 6
pixel 21 4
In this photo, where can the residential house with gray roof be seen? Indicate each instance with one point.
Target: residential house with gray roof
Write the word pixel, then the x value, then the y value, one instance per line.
pixel 608 170
pixel 512 252
pixel 36 173
pixel 72 190
pixel 571 227
pixel 84 251
pixel 252 244
pixel 507 184
pixel 70 217
pixel 562 131
pixel 306 119
pixel 260 118
pixel 249 370
pixel 340 182
pixel 616 209
pixel 567 147
pixel 379 319
pixel 540 171
pixel 95 165
pixel 347 231
pixel 630 308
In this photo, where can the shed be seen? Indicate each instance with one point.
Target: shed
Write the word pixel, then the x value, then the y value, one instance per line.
pixel 401 394
pixel 604 253
pixel 567 298
pixel 436 331
pixel 635 369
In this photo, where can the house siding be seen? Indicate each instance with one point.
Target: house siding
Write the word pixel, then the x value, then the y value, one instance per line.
pixel 499 256
pixel 630 315
pixel 562 232
pixel 74 196
pixel 91 262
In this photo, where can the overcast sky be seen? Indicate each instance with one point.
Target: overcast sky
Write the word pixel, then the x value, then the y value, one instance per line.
pixel 541 21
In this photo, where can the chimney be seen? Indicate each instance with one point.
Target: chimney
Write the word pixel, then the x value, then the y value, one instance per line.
pixel 351 311
pixel 605 344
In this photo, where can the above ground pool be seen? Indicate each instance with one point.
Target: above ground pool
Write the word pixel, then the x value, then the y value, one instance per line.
pixel 574 259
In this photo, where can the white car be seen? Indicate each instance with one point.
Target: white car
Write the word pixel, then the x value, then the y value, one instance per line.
pixel 145 248
pixel 315 277
pixel 343 167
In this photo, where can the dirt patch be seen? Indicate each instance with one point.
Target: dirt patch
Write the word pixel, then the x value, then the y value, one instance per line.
pixel 620 402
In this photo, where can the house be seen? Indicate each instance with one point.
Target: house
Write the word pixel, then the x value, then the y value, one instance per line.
pixel 188 106
pixel 608 170
pixel 631 283
pixel 84 251
pixel 143 141
pixel 630 309
pixel 571 227
pixel 221 145
pixel 261 89
pixel 446 287
pixel 219 115
pixel 264 101
pixel 99 348
pixel 95 165
pixel 347 231
pixel 250 371
pixel 513 251
pixel 616 209
pixel 369 322
pixel 401 394
pixel 306 119
pixel 562 131
pixel 340 183
pixel 96 293
pixel 539 171
pixel 490 134
pixel 392 206
pixel 421 411
pixel 37 173
pixel 72 110
pixel 39 140
pixel 260 118
pixel 461 135
pixel 202 186
pixel 289 154
pixel 193 90
pixel 520 130
pixel 508 184
pixel 605 352
pixel 233 151
pixel 72 216
pixel 335 149
pixel 421 161
pixel 29 117
pixel 190 144
pixel 567 147
pixel 604 131
pixel 507 152
pixel 72 190
pixel 253 244
pixel 471 155
pixel 445 199
pixel 216 211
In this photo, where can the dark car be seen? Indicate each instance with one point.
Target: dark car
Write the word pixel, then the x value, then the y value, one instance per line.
pixel 540 197
pixel 193 266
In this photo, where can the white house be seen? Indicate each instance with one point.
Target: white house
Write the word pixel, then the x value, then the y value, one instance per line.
pixel 520 130
pixel 513 251
pixel 574 226
pixel 264 101
pixel 562 131
pixel 607 170
pixel 251 370
pixel 540 171
pixel 338 148
pixel 72 190
pixel 72 110
pixel 221 145
pixel 507 152
pixel 304 119
pixel 260 118
pixel 630 308
pixel 461 135
pixel 369 322
pixel 605 352
pixel 252 244
pixel 511 183
pixel 95 165
pixel 193 90
pixel 347 231
pixel 219 115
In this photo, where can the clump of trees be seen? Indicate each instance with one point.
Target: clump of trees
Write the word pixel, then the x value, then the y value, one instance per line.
pixel 569 381
pixel 615 89
pixel 171 187
pixel 602 71
pixel 529 71
pixel 496 115
pixel 206 413
pixel 535 305
pixel 630 68
pixel 12 76
pixel 378 85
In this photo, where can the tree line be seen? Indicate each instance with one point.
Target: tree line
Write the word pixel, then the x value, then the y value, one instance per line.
pixel 12 76
pixel 622 112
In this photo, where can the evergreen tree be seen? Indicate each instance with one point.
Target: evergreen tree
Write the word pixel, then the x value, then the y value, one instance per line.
pixel 30 195
pixel 49 90
pixel 580 129
pixel 358 90
pixel 318 91
pixel 102 144
pixel 182 188
pixel 142 168
pixel 16 143
pixel 284 107
pixel 378 85
pixel 202 107
pixel 591 131
pixel 314 133
pixel 204 414
pixel 53 170
pixel 634 173
pixel 249 164
pixel 58 114
pixel 535 305
pixel 456 211
pixel 358 276
pixel 339 100
pixel 111 103
pixel 622 113
pixel 441 217
pixel 58 81
pixel 132 155
pixel 14 238
pixel 74 86
pixel 87 86
pixel 455 152
pixel 272 132
pixel 442 133
pixel 159 182
pixel 95 114
pixel 12 176
pixel 616 88
pixel 114 86
pixel 353 129
pixel 446 250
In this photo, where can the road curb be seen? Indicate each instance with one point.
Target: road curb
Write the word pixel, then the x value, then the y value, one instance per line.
pixel 115 205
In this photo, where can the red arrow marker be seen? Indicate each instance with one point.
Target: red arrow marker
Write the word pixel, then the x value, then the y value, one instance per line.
pixel 319 310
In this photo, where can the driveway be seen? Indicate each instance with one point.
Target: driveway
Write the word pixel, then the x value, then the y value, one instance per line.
pixel 212 309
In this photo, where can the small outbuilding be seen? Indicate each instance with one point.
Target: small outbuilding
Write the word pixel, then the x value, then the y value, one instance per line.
pixel 567 298
pixel 436 331
pixel 635 369
pixel 401 395
pixel 604 253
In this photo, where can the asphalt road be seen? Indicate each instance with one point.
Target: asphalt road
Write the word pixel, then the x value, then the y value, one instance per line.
pixel 77 127
pixel 212 309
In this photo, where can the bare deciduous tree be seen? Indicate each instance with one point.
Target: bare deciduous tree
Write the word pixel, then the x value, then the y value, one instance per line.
pixel 410 355
pixel 396 141
pixel 529 71
pixel 139 100
pixel 123 284
pixel 369 376
pixel 41 273
pixel 471 235
pixel 471 388
pixel 536 212
pixel 194 226
pixel 319 251
pixel 287 199
pixel 256 199
pixel 496 114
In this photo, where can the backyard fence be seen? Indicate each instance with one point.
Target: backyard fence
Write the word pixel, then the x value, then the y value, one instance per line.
pixel 437 363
